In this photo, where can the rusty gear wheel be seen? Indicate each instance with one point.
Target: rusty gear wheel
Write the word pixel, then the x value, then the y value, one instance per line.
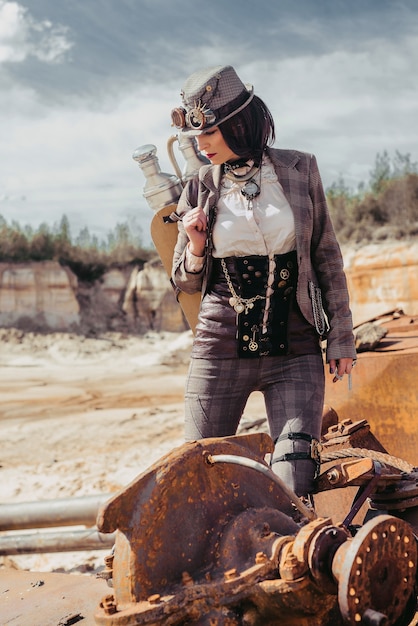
pixel 378 571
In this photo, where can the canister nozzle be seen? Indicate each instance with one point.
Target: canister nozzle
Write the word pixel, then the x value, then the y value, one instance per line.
pixel 160 189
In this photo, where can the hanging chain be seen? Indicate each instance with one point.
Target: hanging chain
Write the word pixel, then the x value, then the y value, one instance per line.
pixel 317 308
pixel 238 304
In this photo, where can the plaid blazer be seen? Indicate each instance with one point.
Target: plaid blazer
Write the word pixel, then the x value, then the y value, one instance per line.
pixel 320 262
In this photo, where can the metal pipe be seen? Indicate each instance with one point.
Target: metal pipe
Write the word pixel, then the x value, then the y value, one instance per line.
pixel 64 541
pixel 80 511
pixel 259 467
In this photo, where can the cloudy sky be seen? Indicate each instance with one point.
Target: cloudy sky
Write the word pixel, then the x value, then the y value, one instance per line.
pixel 83 83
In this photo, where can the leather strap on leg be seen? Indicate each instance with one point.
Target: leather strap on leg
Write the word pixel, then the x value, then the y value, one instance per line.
pixel 312 455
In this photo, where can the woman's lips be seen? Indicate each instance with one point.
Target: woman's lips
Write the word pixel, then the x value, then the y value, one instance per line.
pixel 210 155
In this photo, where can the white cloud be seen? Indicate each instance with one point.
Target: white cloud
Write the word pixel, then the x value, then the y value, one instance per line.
pixel 78 161
pixel 345 106
pixel 86 147
pixel 22 36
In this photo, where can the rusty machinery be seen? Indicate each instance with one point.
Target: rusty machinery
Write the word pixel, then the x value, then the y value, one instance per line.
pixel 210 536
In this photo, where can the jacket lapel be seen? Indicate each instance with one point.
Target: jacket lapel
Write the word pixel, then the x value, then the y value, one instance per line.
pixel 294 184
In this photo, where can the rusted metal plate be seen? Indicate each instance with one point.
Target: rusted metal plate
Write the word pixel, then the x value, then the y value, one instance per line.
pixel 346 435
pixel 180 502
pixel 48 599
pixel 384 389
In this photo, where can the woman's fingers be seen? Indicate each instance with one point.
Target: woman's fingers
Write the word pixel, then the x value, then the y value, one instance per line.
pixel 340 367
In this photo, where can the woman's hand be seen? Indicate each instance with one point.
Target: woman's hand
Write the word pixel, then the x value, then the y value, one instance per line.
pixel 340 367
pixel 195 224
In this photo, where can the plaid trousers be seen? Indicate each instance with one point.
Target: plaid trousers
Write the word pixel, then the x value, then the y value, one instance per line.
pixel 217 391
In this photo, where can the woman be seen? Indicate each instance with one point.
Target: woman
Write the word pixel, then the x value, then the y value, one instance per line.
pixel 256 239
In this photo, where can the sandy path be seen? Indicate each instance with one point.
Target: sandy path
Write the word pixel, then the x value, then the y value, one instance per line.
pixel 81 417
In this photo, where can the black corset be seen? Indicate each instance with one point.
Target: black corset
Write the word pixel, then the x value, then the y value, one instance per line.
pixel 249 276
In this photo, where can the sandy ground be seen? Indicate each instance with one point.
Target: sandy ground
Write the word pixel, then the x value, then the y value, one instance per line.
pixel 86 416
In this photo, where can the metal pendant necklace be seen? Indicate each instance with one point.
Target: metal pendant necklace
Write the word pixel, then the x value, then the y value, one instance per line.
pixel 251 189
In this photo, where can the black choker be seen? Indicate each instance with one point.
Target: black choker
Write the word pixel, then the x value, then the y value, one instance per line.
pixel 240 178
pixel 235 165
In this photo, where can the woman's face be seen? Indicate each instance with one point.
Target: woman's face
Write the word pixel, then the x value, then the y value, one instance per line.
pixel 212 144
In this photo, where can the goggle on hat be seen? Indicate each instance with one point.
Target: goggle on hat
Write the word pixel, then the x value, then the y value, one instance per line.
pixel 210 96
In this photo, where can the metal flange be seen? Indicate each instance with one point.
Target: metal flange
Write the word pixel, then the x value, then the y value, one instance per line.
pixel 377 571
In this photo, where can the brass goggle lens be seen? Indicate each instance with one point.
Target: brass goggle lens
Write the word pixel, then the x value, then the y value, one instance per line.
pixel 197 118
pixel 178 117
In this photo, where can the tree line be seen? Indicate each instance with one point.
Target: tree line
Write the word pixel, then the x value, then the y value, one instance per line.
pixel 86 255
pixel 384 208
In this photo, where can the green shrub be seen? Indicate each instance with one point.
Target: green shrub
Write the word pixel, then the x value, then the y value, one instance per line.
pixel 86 256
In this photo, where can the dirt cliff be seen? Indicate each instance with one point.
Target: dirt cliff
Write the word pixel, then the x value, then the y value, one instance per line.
pixel 47 297
pixel 381 278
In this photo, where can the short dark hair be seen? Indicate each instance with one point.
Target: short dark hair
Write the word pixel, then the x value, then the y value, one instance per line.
pixel 250 131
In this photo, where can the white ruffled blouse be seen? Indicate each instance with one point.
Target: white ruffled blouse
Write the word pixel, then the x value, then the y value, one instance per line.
pixel 263 226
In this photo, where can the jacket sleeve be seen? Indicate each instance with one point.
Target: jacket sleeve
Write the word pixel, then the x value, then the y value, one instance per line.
pixel 189 282
pixel 327 260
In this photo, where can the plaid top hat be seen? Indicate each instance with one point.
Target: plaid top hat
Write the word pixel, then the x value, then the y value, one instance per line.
pixel 210 96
